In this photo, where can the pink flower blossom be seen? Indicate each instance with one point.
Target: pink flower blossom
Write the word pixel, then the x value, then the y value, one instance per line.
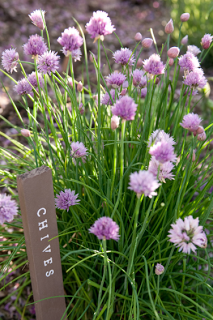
pixel 70 40
pixel 78 150
pixel 185 17
pixel 139 78
pixel 147 42
pixel 125 108
pixel 36 18
pixel 206 41
pixel 195 79
pixel 187 233
pixel 99 25
pixel 184 41
pixel 191 122
pixel 188 61
pixel 173 52
pixel 115 79
pixel 143 182
pixel 35 46
pixel 154 65
pixel 66 199
pixel 105 228
pixel 163 152
pixel 159 269
pixel 106 100
pixel 193 49
pixel 138 36
pixel 115 122
pixel 162 170
pixel 10 60
pixel 8 208
pixel 124 57
pixel 158 136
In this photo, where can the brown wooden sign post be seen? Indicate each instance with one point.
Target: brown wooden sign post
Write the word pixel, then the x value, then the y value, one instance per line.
pixel 35 189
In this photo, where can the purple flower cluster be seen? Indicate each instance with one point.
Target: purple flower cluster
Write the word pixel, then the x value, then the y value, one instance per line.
pixel 154 65
pixel 8 208
pixel 191 122
pixel 188 62
pixel 143 182
pixel 33 80
pixel 115 79
pixel 37 18
pixel 23 87
pixel 158 136
pixel 105 228
pixel 99 25
pixel 48 62
pixel 78 151
pixel 10 59
pixel 193 49
pixel 139 78
pixel 70 41
pixel 125 108
pixel 163 152
pixel 66 199
pixel 206 41
pixel 187 233
pixel 195 79
pixel 35 46
pixel 162 170
pixel 124 57
pixel 106 100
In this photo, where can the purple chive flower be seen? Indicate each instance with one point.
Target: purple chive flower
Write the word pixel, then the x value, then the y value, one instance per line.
pixel 33 80
pixel 115 79
pixel 70 41
pixel 191 122
pixel 206 41
pixel 143 93
pixel 76 54
pixel 163 168
pixel 139 78
pixel 163 151
pixel 158 136
pixel 154 65
pixel 143 182
pixel 35 46
pixel 78 151
pixel 124 57
pixel 36 18
pixel 195 79
pixel 188 62
pixel 99 25
pixel 8 208
pixel 23 87
pixel 194 50
pixel 105 228
pixel 159 269
pixel 187 233
pixel 125 108
pixel 48 62
pixel 9 60
pixel 66 199
pixel 106 100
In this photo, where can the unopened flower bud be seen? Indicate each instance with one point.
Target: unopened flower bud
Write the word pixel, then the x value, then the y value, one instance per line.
pixel 81 108
pixel 70 82
pixel 147 42
pixel 184 17
pixel 25 133
pixel 139 63
pixel 173 52
pixel 92 57
pixel 79 86
pixel 123 92
pixel 206 41
pixel 193 156
pixel 138 36
pixel 201 136
pixel 184 41
pixel 169 28
pixel 200 130
pixel 95 97
pixel 143 93
pixel 171 62
pixel 157 80
pixel 114 122
pixel 159 269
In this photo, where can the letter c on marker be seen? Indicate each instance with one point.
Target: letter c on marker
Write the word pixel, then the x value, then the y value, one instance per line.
pixel 38 212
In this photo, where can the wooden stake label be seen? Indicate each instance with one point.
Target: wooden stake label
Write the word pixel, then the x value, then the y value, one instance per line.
pixel 35 189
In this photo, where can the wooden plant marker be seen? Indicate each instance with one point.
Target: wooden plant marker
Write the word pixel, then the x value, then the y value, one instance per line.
pixel 35 189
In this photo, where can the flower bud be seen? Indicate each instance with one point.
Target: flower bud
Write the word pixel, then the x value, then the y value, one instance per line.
pixel 169 28
pixel 173 52
pixel 200 130
pixel 70 82
pixel 81 108
pixel 159 269
pixel 123 92
pixel 147 42
pixel 138 36
pixel 143 93
pixel 193 156
pixel 184 41
pixel 171 62
pixel 184 17
pixel 157 80
pixel 92 57
pixel 25 133
pixel 79 86
pixel 114 122
pixel 206 41
pixel 201 136
pixel 139 63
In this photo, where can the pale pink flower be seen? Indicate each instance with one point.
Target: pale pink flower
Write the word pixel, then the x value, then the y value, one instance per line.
pixel 159 269
pixel 193 49
pixel 185 17
pixel 184 41
pixel 173 52
pixel 169 28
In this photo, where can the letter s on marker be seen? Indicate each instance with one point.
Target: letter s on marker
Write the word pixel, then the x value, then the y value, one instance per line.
pixel 48 273
pixel 38 212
